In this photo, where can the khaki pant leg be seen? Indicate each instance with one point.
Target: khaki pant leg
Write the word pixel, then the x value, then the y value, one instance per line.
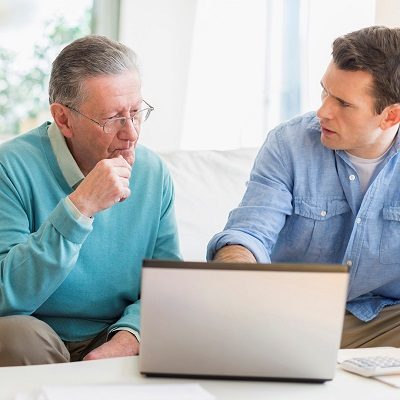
pixel 25 340
pixel 78 350
pixel 382 331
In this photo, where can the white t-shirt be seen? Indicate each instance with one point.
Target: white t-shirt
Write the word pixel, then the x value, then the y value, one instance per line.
pixel 366 167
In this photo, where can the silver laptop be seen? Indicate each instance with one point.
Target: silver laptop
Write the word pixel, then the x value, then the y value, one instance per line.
pixel 249 321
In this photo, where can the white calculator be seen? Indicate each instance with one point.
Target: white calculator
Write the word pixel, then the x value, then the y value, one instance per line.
pixel 372 366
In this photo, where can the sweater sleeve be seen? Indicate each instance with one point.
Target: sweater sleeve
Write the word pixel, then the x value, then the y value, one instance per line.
pixel 33 264
pixel 166 247
pixel 258 220
pixel 129 319
pixel 167 243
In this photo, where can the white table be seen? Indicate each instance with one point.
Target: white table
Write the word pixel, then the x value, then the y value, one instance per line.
pixel 125 370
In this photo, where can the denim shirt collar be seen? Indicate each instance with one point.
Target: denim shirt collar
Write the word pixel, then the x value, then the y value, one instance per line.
pixel 394 149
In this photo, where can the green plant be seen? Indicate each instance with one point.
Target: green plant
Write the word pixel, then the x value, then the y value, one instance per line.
pixel 23 96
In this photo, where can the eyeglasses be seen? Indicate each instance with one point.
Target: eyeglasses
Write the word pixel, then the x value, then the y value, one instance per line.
pixel 113 125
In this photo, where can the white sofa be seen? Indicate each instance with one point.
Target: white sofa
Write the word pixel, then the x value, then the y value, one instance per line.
pixel 208 184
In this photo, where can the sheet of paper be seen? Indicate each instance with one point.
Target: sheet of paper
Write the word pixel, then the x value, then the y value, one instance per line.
pixel 127 392
pixel 35 395
pixel 392 380
pixel 26 396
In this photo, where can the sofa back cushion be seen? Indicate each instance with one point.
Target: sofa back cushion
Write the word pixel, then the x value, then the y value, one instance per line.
pixel 208 184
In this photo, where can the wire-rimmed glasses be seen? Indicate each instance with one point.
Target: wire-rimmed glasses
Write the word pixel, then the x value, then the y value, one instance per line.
pixel 113 125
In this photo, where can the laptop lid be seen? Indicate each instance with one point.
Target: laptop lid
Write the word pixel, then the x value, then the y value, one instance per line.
pixel 251 321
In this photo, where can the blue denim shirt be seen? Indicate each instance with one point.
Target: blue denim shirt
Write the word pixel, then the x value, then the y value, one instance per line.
pixel 304 203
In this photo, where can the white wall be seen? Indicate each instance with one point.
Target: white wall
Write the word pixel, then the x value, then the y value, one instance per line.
pixel 329 19
pixel 225 94
pixel 388 13
pixel 326 21
pixel 200 59
pixel 161 34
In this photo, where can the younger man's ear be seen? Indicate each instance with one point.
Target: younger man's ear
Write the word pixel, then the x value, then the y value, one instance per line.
pixel 392 116
pixel 62 118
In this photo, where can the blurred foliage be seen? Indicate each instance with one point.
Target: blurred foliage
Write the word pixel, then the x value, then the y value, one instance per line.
pixel 24 95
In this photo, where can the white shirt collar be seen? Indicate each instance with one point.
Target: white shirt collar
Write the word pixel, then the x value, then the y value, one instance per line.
pixel 69 168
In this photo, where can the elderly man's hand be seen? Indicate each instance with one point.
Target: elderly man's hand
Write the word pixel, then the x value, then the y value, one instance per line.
pixel 106 185
pixel 123 343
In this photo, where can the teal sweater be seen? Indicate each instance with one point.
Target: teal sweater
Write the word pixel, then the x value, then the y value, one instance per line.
pixel 79 279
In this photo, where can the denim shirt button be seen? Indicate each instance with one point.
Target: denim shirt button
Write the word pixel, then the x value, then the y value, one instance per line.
pixel 358 220
pixel 323 213
pixel 352 177
pixel 349 263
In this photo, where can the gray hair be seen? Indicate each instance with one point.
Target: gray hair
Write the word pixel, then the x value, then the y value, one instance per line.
pixel 85 58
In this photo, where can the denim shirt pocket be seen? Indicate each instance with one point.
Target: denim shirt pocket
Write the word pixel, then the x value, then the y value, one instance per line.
pixel 317 224
pixel 389 251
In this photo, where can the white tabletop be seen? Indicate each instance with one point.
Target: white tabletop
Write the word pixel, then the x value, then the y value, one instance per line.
pixel 125 370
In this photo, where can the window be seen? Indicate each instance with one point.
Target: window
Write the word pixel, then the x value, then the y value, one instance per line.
pixel 31 35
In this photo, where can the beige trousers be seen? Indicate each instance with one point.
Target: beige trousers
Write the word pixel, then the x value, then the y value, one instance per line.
pixel 25 340
pixel 384 330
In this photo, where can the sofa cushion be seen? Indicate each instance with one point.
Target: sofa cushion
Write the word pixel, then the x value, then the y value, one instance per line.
pixel 208 184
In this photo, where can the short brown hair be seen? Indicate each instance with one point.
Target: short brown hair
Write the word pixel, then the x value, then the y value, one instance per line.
pixel 376 50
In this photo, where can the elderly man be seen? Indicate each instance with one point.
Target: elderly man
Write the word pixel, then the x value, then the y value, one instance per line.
pixel 325 187
pixel 81 205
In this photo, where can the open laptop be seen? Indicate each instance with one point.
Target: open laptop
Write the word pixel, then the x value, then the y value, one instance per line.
pixel 248 321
